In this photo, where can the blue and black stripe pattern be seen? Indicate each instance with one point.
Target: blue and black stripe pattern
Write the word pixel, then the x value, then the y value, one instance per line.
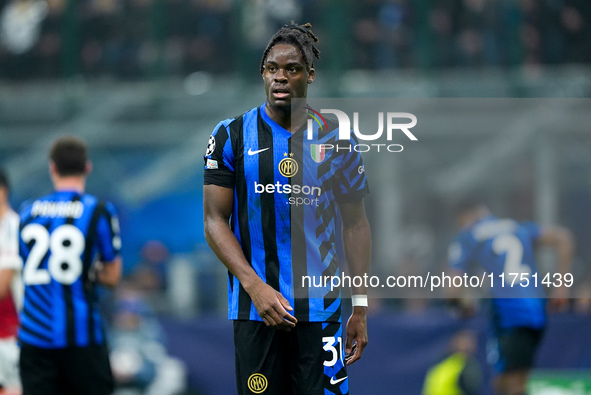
pixel 284 213
pixel 61 235
pixel 501 246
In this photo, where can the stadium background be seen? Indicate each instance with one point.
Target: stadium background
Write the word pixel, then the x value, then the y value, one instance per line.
pixel 145 81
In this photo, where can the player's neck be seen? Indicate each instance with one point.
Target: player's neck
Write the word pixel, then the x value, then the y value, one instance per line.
pixel 285 118
pixel 281 116
pixel 70 183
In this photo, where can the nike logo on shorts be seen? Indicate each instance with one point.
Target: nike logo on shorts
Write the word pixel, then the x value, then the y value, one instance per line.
pixel 333 381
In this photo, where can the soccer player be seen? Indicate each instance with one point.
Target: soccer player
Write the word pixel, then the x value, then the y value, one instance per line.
pixel 505 246
pixel 69 241
pixel 10 291
pixel 459 372
pixel 270 198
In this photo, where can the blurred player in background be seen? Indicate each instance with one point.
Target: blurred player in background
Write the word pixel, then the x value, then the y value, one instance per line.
pixel 270 232
pixel 10 291
pixel 63 348
pixel 459 372
pixel 502 247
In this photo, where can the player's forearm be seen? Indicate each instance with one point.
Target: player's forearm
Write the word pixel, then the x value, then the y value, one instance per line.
pixel 109 274
pixel 562 241
pixel 5 280
pixel 357 248
pixel 4 291
pixel 454 294
pixel 224 244
pixel 564 252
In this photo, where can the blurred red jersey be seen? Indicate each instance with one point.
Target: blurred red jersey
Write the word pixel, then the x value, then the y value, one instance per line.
pixel 10 260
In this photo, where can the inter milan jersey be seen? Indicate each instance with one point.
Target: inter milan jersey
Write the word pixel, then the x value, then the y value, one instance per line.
pixel 286 189
pixel 504 246
pixel 61 235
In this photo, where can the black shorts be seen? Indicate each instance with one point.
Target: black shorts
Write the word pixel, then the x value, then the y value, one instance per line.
pixel 63 371
pixel 307 360
pixel 516 348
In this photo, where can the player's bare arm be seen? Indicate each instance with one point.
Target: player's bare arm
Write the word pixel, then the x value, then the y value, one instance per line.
pixel 5 280
pixel 459 298
pixel 562 241
pixel 357 247
pixel 270 304
pixel 109 273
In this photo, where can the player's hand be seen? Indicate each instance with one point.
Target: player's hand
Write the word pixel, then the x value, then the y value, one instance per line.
pixel 272 307
pixel 96 267
pixel 559 301
pixel 356 335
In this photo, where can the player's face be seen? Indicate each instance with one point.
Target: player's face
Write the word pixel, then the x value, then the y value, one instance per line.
pixel 285 75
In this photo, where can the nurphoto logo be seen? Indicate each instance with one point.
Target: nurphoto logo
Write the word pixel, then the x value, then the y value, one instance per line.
pixel 390 124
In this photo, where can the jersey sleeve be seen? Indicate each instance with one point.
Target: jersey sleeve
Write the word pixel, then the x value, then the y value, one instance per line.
pixel 107 232
pixel 352 184
pixel 219 159
pixel 9 241
pixel 459 254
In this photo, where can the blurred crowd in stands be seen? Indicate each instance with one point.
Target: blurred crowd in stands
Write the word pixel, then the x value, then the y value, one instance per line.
pixel 138 39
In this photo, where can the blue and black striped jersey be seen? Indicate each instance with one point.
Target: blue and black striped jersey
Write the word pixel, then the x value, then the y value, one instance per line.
pixel 504 246
pixel 286 191
pixel 61 235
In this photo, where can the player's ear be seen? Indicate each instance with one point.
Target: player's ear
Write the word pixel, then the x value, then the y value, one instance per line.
pixel 87 168
pixel 52 169
pixel 311 75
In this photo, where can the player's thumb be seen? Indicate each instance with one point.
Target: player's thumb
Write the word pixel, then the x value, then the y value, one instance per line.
pixel 284 302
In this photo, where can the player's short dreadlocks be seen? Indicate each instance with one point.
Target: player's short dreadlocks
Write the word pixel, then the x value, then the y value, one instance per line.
pixel 299 35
